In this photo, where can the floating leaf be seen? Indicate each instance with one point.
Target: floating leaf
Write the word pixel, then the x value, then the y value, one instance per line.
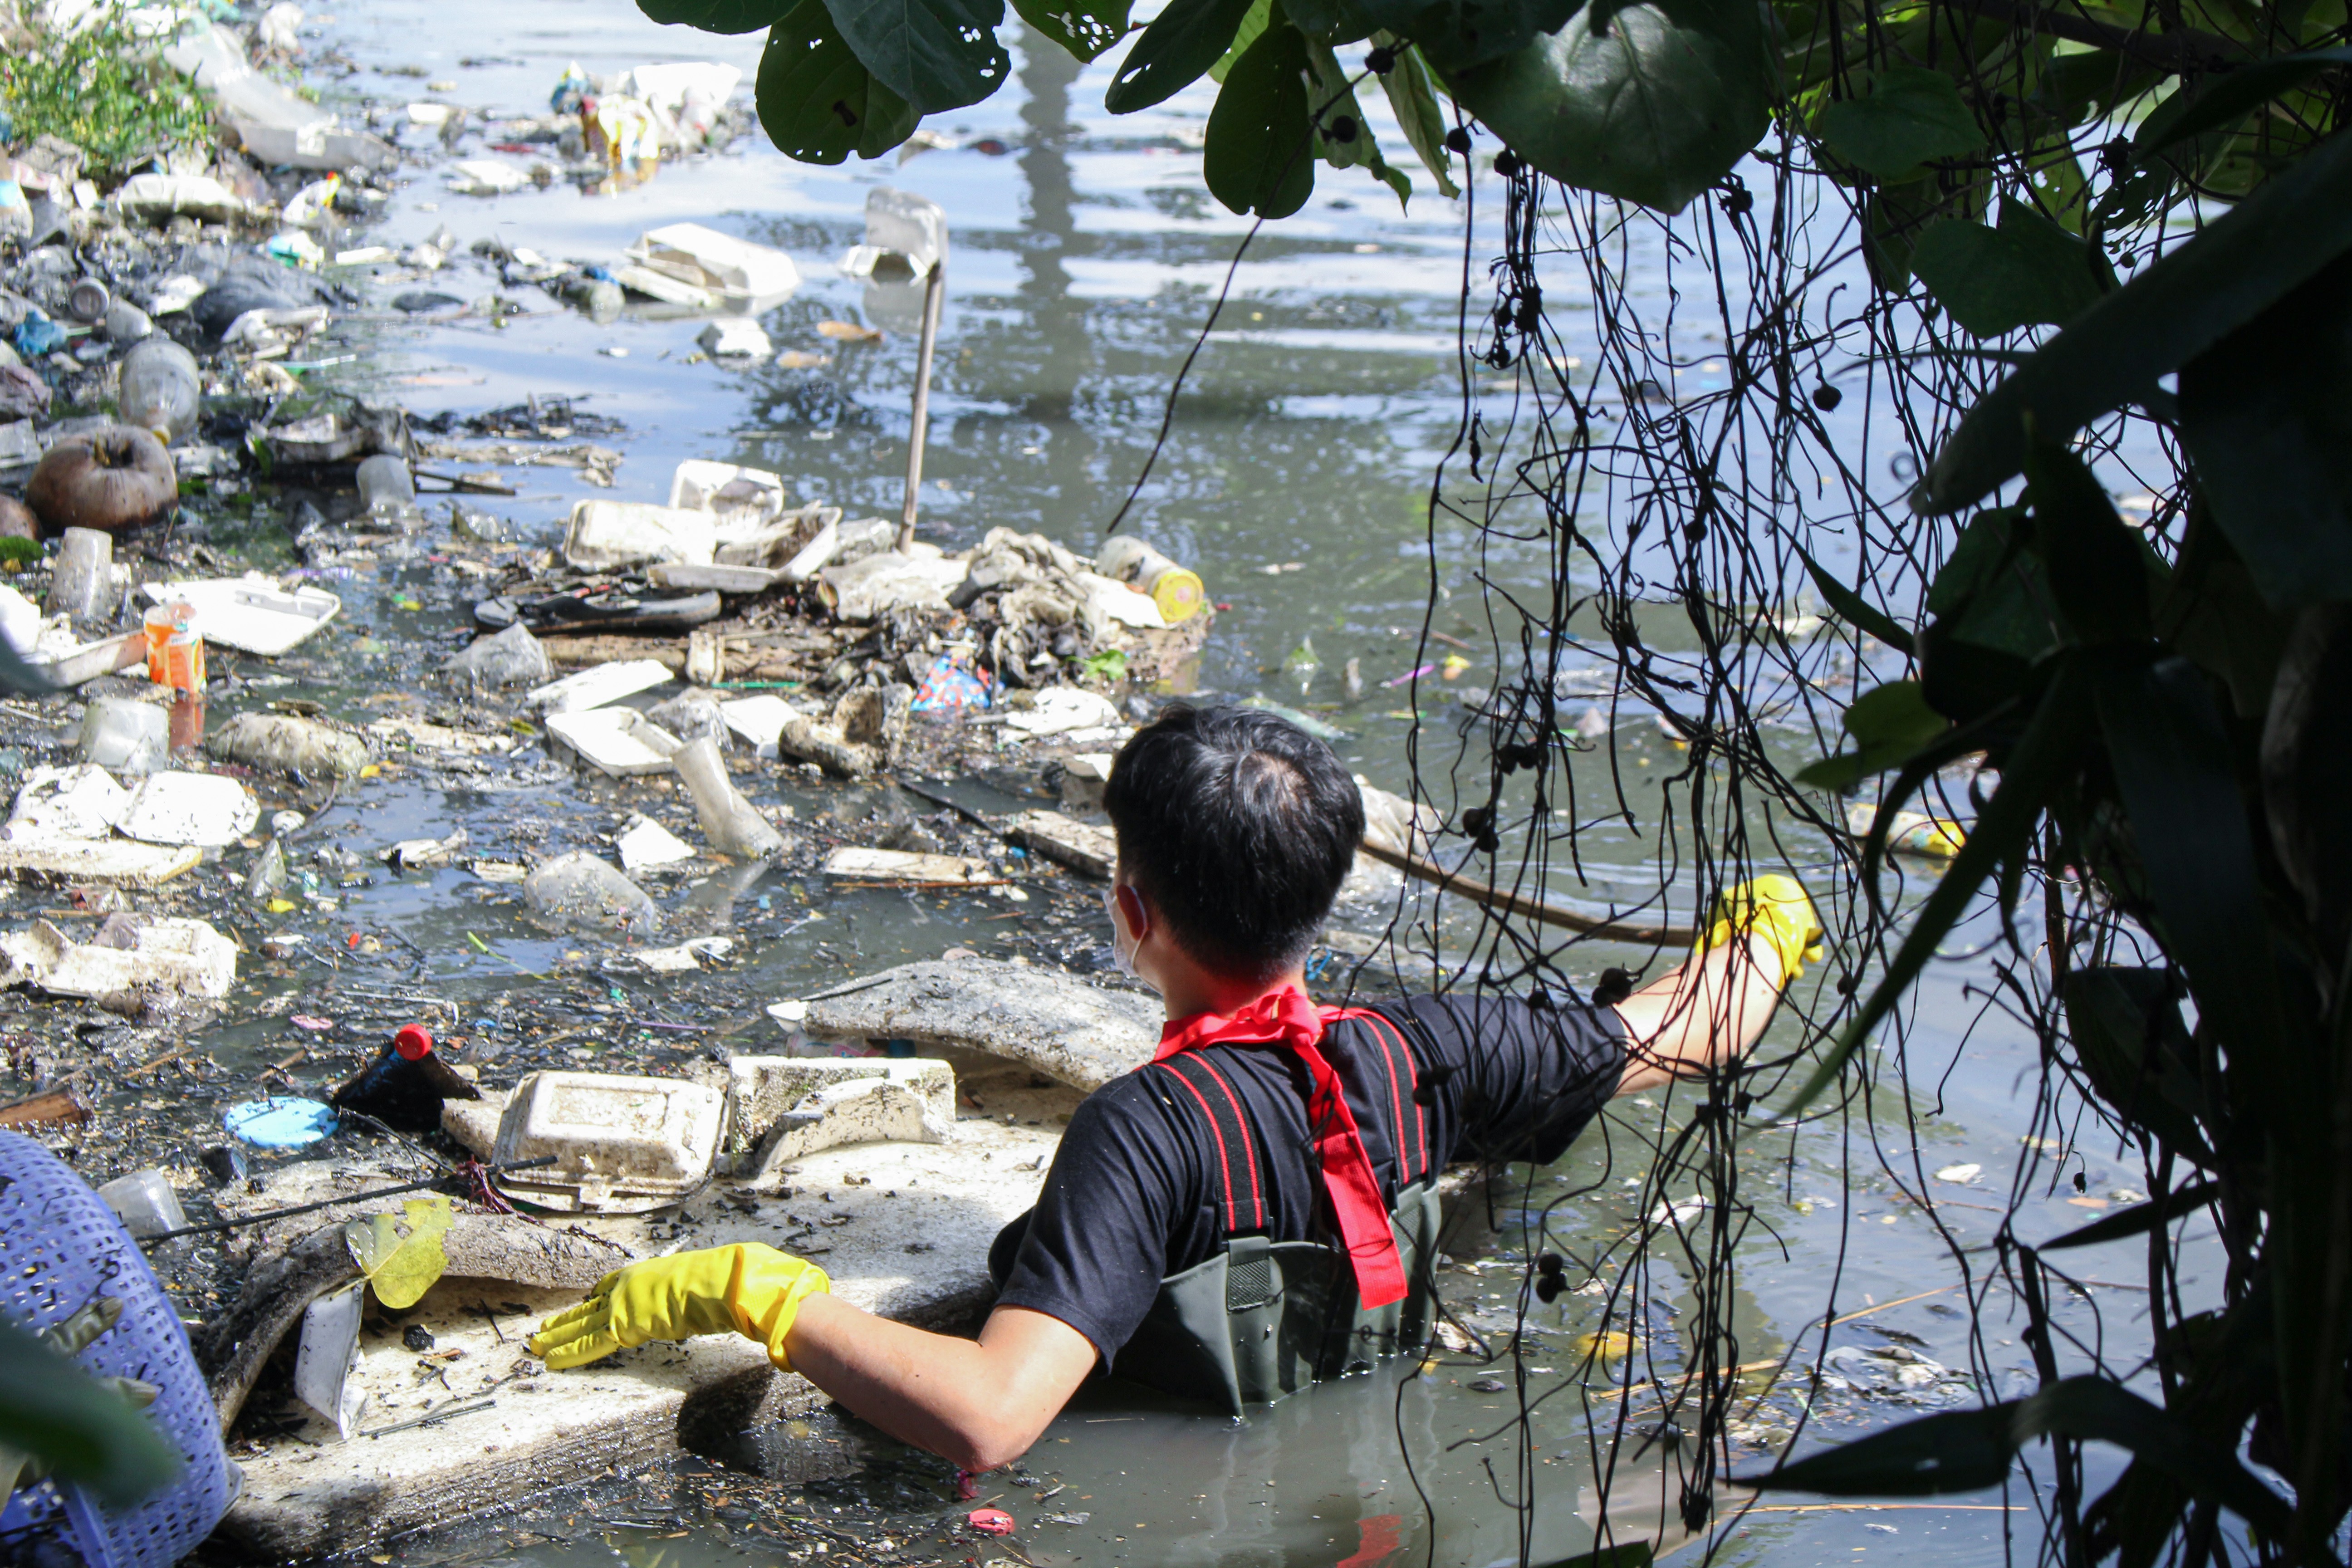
pixel 2027 272
pixel 1908 116
pixel 401 1256
pixel 1653 102
pixel 818 103
pixel 934 53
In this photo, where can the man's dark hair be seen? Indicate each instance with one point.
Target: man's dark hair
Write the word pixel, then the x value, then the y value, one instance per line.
pixel 1240 827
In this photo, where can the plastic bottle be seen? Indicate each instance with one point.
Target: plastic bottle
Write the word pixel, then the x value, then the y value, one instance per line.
pixel 386 488
pixel 162 388
pixel 732 824
pixel 127 323
pixel 582 889
pixel 81 582
pixel 1177 590
pixel 404 1086
pixel 146 1202
pixel 127 736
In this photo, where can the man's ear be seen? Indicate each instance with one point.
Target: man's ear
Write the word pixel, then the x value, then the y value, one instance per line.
pixel 1136 910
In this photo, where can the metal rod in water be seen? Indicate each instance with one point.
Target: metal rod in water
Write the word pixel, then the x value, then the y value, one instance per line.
pixel 934 289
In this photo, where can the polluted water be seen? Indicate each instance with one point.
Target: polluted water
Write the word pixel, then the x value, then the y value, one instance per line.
pixel 544 559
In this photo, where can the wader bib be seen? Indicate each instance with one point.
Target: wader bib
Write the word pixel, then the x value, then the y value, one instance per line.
pixel 1264 1318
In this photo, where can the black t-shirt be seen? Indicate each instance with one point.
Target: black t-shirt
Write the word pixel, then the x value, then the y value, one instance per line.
pixel 1134 1196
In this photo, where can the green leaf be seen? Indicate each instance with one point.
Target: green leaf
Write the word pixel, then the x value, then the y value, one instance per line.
pixel 1890 725
pixel 2043 757
pixel 2175 771
pixel 401 1257
pixel 1909 116
pixel 2027 272
pixel 1184 41
pixel 1252 29
pixel 2131 1043
pixel 2268 427
pixel 2093 1410
pixel 2228 273
pixel 816 102
pixel 2140 1219
pixel 53 1411
pixel 1991 592
pixel 2221 100
pixel 1344 137
pixel 716 16
pixel 934 53
pixel 1853 609
pixel 1954 1451
pixel 1967 1451
pixel 1258 157
pixel 1652 103
pixel 1413 94
pixel 1632 1555
pixel 1330 22
pixel 1085 30
pixel 1461 35
pixel 2094 562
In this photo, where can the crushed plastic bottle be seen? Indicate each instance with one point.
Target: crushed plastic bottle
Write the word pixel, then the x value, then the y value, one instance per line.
pixel 583 889
pixel 124 736
pixel 732 824
pixel 162 388
pixel 386 488
pixel 512 658
pixel 81 584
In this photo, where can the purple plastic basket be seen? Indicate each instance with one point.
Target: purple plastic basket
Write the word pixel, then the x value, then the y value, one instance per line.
pixel 60 1247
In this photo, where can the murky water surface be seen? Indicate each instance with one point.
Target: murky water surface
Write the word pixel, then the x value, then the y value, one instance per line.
pixel 1296 479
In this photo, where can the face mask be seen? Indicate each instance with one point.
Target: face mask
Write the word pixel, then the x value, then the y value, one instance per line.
pixel 1122 952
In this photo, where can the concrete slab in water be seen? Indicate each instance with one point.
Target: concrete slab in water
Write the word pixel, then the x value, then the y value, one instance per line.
pixel 1073 1031
pixel 902 1228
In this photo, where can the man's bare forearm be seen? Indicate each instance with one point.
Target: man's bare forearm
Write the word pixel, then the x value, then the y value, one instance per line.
pixel 1711 1007
pixel 978 1403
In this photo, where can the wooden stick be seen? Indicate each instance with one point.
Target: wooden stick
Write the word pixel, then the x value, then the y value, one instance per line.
pixel 1509 904
pixel 45 1109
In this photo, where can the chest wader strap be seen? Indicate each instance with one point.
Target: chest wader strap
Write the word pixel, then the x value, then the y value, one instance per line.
pixel 1264 1319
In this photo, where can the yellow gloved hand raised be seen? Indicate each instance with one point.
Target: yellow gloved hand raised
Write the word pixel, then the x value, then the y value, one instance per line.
pixel 1774 909
pixel 750 1289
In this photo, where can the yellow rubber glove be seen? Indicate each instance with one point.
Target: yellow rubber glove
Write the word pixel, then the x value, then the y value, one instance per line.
pixel 750 1289
pixel 1774 908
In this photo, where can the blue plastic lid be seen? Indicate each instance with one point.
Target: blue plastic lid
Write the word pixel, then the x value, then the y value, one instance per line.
pixel 280 1123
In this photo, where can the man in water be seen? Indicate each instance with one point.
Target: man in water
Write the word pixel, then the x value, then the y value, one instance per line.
pixel 1255 1209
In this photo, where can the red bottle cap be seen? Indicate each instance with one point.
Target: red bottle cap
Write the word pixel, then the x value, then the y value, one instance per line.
pixel 415 1042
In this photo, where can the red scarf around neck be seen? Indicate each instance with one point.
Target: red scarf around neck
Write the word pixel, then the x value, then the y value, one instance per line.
pixel 1287 1018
